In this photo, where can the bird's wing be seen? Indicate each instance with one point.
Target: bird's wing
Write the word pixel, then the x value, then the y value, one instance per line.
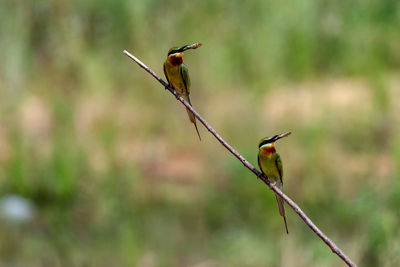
pixel 185 78
pixel 279 166
pixel 166 76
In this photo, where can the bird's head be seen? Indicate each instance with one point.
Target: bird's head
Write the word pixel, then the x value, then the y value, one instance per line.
pixel 175 54
pixel 267 144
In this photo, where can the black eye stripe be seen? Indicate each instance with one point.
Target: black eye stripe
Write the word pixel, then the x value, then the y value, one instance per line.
pixel 173 52
pixel 263 143
pixel 268 141
pixel 178 50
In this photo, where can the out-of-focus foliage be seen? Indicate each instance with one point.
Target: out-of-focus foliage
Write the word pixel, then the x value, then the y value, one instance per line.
pixel 114 169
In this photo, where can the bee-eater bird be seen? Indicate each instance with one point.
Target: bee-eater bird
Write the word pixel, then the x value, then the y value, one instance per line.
pixel 271 167
pixel 178 76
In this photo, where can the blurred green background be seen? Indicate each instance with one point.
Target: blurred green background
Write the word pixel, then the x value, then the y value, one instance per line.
pixel 114 173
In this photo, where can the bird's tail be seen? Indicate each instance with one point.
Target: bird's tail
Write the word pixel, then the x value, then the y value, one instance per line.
pixel 282 210
pixel 192 118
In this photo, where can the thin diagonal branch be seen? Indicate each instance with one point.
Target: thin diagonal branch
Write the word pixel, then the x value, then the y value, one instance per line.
pixel 335 249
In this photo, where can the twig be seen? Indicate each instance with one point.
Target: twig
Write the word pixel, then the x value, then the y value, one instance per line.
pixel 335 249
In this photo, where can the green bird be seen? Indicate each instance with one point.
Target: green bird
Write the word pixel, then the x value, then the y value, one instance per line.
pixel 178 76
pixel 271 167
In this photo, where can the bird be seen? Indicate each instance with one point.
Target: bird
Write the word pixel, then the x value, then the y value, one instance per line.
pixel 177 75
pixel 270 164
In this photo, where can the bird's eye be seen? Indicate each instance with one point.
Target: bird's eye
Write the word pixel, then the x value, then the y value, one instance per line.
pixel 172 51
pixel 263 143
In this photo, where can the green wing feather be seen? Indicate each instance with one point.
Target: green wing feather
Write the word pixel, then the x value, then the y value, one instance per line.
pixel 278 162
pixel 185 77
pixel 186 82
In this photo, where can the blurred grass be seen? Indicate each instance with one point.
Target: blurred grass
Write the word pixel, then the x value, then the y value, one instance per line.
pixel 114 167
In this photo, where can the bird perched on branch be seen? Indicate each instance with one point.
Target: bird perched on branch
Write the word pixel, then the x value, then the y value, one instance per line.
pixel 271 167
pixel 178 76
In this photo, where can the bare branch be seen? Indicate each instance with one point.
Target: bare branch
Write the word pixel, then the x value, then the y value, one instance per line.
pixel 335 249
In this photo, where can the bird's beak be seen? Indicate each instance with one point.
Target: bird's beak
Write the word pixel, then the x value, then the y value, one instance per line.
pixel 187 47
pixel 279 136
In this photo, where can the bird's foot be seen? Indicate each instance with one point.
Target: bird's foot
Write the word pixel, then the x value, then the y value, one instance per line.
pixel 177 96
